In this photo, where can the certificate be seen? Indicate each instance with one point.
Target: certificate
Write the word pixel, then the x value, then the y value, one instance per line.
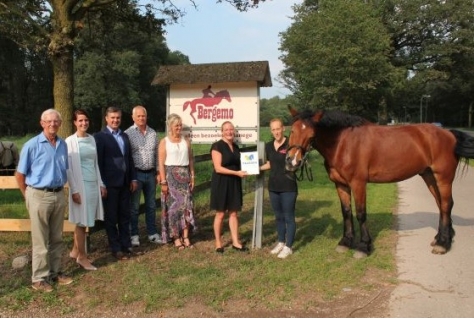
pixel 249 163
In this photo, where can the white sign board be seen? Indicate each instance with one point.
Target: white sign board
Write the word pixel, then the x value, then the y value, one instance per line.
pixel 204 108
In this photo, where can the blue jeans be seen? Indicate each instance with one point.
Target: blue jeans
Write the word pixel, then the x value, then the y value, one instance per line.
pixel 283 204
pixel 147 183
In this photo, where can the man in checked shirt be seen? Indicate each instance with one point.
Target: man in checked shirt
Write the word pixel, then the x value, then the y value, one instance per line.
pixel 144 145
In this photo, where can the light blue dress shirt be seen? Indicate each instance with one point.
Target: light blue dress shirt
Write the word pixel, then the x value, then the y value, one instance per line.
pixel 118 137
pixel 44 165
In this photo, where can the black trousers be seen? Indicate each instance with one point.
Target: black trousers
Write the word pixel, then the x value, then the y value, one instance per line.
pixel 117 217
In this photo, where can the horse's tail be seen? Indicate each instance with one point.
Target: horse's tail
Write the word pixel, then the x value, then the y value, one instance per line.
pixel 464 144
pixel 185 105
pixel 464 147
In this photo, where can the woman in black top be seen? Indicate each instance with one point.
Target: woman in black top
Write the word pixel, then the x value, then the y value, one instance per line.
pixel 226 186
pixel 282 189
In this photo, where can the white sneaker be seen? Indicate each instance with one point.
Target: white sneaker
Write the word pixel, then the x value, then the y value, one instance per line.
pixel 277 248
pixel 156 239
pixel 135 241
pixel 285 252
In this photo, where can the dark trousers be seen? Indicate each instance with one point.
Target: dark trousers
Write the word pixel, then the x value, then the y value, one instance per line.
pixel 283 204
pixel 117 218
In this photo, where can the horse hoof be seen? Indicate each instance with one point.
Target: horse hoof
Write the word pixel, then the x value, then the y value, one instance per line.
pixel 438 250
pixel 342 249
pixel 359 255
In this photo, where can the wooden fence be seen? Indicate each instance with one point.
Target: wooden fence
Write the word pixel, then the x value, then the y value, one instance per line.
pixel 9 182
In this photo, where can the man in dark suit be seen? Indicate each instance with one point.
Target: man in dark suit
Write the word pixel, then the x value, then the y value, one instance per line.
pixel 119 176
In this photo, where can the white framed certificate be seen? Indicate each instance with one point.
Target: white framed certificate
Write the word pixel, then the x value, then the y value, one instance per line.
pixel 249 162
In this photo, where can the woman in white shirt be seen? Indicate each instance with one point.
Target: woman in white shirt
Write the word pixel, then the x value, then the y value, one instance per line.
pixel 86 188
pixel 177 183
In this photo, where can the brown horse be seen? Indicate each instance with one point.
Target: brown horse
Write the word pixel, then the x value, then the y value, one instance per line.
pixel 357 152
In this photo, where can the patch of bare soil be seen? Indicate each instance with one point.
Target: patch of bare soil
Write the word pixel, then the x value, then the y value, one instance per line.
pixel 353 304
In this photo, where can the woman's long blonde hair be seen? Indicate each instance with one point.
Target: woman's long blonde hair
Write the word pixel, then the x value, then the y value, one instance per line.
pixel 173 118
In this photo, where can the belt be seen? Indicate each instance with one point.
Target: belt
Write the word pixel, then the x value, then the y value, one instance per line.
pixel 146 170
pixel 49 190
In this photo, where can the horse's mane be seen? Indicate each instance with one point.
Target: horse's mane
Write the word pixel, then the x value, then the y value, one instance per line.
pixel 333 119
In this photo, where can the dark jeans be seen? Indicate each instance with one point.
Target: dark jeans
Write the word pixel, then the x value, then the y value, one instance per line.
pixel 117 218
pixel 147 183
pixel 283 204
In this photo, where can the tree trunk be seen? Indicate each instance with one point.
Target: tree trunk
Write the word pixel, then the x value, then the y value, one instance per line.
pixel 60 51
pixel 63 89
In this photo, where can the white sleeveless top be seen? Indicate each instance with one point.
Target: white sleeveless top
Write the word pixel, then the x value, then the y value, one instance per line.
pixel 176 153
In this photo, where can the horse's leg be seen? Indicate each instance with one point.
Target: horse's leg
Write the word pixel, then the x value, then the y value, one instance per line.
pixel 365 245
pixel 440 187
pixel 193 110
pixel 347 240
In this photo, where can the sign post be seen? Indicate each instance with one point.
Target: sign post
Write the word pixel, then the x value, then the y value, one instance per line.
pixel 258 206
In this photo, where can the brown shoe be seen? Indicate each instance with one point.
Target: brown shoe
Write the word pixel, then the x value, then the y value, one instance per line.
pixel 132 253
pixel 42 286
pixel 120 256
pixel 63 280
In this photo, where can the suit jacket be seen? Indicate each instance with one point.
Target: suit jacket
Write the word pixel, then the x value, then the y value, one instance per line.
pixel 116 169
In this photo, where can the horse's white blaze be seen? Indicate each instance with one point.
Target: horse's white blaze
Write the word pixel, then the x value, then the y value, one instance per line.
pixel 294 161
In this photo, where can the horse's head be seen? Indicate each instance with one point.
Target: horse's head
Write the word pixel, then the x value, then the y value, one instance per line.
pixel 301 137
pixel 224 94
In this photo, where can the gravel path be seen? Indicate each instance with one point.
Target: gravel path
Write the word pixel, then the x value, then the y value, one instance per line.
pixel 431 285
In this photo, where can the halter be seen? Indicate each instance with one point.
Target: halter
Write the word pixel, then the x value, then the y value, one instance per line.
pixel 305 167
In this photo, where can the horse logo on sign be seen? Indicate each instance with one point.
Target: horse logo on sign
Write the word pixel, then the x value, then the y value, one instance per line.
pixel 209 99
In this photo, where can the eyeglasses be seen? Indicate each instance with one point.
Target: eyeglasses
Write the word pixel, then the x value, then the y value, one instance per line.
pixel 52 121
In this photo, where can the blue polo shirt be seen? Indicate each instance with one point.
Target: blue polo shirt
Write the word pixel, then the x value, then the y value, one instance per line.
pixel 42 164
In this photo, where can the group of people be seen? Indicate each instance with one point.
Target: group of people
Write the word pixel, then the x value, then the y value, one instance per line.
pixel 108 171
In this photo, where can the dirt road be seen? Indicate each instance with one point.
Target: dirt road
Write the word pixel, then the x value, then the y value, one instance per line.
pixel 434 285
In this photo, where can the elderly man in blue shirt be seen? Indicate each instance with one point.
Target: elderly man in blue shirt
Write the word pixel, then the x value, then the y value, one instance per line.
pixel 41 175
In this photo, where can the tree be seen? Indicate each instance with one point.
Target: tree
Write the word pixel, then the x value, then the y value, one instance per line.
pixel 275 107
pixel 25 88
pixel 115 62
pixel 53 26
pixel 336 55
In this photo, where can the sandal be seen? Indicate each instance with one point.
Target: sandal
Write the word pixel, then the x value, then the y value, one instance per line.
pixel 179 244
pixel 187 242
pixel 86 265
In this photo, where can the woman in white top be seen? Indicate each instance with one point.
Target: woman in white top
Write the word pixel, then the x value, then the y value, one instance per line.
pixel 86 188
pixel 177 183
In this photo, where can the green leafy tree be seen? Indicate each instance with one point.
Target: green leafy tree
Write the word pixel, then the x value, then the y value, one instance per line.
pixel 433 40
pixel 25 88
pixel 337 56
pixel 275 107
pixel 115 63
pixel 54 26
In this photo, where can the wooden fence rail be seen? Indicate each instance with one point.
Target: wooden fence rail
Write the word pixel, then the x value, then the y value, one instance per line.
pixel 9 182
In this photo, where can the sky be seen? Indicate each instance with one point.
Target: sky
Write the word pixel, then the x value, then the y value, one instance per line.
pixel 217 33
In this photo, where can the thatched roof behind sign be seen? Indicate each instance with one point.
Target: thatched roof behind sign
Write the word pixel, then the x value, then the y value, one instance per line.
pixel 258 71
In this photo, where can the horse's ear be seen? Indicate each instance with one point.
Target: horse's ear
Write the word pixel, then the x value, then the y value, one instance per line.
pixel 317 116
pixel 293 112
